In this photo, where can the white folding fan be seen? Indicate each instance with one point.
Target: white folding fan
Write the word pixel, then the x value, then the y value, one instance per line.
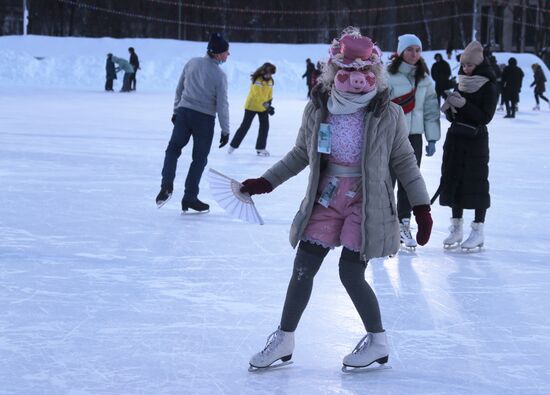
pixel 227 193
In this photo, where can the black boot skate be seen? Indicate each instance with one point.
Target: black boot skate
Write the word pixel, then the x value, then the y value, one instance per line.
pixel 164 195
pixel 195 205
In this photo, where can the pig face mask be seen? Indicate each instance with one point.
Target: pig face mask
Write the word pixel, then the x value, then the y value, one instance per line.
pixel 354 81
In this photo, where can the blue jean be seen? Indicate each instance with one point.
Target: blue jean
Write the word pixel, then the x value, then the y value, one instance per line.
pixel 201 127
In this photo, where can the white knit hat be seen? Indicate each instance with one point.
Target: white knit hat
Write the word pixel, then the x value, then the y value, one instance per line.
pixel 406 40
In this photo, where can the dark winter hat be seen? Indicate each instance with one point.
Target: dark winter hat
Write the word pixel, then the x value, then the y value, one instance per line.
pixel 217 44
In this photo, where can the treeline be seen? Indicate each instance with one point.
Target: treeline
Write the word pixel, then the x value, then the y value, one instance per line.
pixel 296 21
pixel 439 23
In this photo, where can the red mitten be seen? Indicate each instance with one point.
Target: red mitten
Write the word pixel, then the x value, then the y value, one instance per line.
pixel 256 186
pixel 424 222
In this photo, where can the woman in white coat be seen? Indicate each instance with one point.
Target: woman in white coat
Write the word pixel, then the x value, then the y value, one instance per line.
pixel 413 89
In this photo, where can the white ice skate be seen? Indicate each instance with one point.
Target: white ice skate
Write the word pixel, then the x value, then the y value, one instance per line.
pixel 536 108
pixel 230 150
pixel 476 238
pixel 500 108
pixel 262 152
pixel 280 345
pixel 456 235
pixel 405 231
pixel 371 348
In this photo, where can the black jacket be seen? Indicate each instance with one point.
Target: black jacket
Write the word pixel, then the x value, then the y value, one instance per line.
pixel 465 167
pixel 110 69
pixel 441 74
pixel 512 77
pixel 540 81
pixel 134 61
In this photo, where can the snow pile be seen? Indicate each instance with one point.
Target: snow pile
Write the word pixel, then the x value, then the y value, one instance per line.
pixel 69 62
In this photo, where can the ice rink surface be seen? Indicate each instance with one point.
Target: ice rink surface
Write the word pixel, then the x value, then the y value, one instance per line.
pixel 103 293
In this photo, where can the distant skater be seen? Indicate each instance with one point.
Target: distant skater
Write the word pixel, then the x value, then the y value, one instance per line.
pixel 258 102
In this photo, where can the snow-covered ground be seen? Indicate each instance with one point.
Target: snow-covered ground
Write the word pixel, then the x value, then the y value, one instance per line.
pixel 103 293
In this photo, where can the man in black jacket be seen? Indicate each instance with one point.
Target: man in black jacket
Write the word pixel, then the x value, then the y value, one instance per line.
pixel 134 61
pixel 441 74
pixel 308 75
pixel 512 77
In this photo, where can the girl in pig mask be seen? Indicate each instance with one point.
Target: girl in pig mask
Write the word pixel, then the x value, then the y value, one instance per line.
pixel 351 137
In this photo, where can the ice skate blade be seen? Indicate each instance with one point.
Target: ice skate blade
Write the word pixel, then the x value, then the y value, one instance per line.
pixel 163 202
pixel 365 369
pixel 270 367
pixel 409 249
pixel 193 212
pixel 477 248
pixel 451 246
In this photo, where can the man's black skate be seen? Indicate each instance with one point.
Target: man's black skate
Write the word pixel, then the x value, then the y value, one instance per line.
pixel 164 195
pixel 196 205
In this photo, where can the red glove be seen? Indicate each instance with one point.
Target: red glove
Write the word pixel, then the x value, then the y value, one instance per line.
pixel 424 222
pixel 256 186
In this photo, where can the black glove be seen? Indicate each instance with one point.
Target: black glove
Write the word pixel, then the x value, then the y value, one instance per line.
pixel 271 110
pixel 224 138
pixel 173 119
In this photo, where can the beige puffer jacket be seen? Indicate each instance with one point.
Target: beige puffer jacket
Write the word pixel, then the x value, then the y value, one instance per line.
pixel 386 145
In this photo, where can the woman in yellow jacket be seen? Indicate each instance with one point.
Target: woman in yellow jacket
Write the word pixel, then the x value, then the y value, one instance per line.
pixel 258 102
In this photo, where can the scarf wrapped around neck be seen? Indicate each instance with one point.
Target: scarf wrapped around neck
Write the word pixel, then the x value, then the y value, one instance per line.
pixel 348 103
pixel 471 83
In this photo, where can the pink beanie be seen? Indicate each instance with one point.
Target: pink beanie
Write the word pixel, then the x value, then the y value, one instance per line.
pixel 472 54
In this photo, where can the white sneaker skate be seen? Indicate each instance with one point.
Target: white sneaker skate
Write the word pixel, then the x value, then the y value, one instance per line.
pixel 476 238
pixel 262 152
pixel 371 348
pixel 405 231
pixel 230 150
pixel 456 235
pixel 280 345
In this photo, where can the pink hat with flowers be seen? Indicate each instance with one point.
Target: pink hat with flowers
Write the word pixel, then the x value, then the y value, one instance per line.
pixel 354 51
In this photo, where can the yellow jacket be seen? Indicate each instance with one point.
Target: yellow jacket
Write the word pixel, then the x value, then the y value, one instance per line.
pixel 261 91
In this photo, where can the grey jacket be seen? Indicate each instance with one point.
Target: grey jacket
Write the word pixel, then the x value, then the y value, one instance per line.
pixel 203 87
pixel 386 145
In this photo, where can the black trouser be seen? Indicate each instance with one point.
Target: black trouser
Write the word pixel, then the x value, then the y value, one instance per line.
pixel 126 82
pixel 479 213
pixel 403 204
pixel 537 95
pixel 352 274
pixel 309 88
pixel 440 92
pixel 133 81
pixel 200 126
pixel 109 84
pixel 261 141
pixel 510 107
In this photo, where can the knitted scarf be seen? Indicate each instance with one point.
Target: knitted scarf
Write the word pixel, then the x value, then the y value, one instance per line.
pixel 348 103
pixel 470 83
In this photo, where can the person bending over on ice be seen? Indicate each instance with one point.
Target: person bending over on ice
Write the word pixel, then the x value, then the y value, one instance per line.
pixel 413 89
pixel 258 102
pixel 201 93
pixel 351 136
pixel 464 180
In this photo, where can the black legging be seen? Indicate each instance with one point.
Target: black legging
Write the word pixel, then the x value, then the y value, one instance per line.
pixel 479 213
pixel 261 141
pixel 352 274
pixel 537 95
